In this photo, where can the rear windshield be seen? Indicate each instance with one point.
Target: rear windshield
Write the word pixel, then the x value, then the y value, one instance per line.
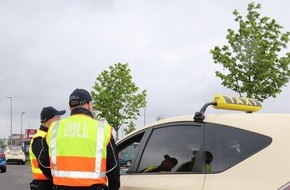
pixel 14 148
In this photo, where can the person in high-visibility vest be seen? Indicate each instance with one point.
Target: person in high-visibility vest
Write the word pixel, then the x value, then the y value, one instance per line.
pixel 188 166
pixel 42 180
pixel 166 165
pixel 208 160
pixel 82 150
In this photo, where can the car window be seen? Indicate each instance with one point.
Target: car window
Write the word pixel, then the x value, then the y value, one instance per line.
pixel 127 152
pixel 229 146
pixel 169 147
pixel 15 148
pixel 127 155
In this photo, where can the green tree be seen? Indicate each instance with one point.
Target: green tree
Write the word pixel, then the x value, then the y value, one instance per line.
pixel 115 96
pixel 130 128
pixel 252 65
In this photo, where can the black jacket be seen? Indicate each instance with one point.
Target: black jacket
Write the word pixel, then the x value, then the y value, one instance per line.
pixel 113 168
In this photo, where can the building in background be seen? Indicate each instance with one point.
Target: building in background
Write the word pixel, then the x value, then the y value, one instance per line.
pixel 20 140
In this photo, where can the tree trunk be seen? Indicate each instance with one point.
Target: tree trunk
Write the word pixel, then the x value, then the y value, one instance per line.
pixel 117 134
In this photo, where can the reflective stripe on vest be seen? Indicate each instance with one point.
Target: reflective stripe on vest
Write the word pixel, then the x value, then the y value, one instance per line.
pixel 66 177
pixel 99 148
pixel 81 175
pixel 36 172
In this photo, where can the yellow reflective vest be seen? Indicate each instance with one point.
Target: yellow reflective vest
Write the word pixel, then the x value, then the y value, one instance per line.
pixel 78 151
pixel 36 172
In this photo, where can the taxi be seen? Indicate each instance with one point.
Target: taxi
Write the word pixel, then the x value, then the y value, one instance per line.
pixel 238 150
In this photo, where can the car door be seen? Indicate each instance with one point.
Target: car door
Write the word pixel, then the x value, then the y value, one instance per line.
pixel 162 151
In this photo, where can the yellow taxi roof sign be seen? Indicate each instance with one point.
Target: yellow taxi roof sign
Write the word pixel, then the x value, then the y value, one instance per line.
pixel 236 103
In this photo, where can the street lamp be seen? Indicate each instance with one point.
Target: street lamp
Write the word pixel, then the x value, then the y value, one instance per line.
pixel 10 118
pixel 21 129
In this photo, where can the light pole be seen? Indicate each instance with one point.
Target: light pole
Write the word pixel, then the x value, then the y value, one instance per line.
pixel 10 118
pixel 21 129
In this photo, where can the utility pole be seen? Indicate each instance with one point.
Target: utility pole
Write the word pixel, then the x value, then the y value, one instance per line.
pixel 10 97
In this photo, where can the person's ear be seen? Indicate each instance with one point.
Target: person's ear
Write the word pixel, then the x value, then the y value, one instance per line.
pixel 90 106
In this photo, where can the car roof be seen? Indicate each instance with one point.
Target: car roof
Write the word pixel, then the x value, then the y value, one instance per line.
pixel 263 123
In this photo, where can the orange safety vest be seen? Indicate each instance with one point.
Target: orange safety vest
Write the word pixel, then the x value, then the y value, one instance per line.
pixel 36 172
pixel 78 151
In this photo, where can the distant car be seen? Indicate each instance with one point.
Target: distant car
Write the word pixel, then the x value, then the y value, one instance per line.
pixel 124 162
pixel 127 155
pixel 2 161
pixel 221 151
pixel 14 154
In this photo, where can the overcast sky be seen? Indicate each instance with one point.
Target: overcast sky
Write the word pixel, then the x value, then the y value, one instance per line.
pixel 48 48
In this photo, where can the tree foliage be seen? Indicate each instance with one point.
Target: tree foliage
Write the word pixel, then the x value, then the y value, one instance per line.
pixel 130 128
pixel 115 96
pixel 1 142
pixel 252 65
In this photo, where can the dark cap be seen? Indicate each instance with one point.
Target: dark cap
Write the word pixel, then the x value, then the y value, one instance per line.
pixel 79 97
pixel 49 112
pixel 173 160
pixel 208 157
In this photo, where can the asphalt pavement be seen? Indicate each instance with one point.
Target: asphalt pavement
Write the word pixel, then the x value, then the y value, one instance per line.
pixel 17 177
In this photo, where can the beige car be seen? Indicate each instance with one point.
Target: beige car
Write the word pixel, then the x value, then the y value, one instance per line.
pixel 211 151
pixel 14 154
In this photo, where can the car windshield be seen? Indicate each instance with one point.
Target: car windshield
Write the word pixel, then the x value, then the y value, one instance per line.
pixel 14 148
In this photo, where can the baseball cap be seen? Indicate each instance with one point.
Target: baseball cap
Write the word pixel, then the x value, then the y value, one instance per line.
pixel 49 112
pixel 173 160
pixel 79 97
